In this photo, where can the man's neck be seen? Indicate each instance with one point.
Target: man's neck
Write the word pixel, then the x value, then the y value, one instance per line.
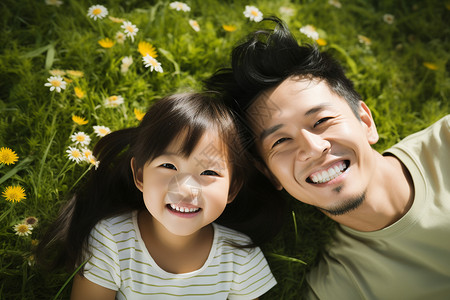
pixel 388 198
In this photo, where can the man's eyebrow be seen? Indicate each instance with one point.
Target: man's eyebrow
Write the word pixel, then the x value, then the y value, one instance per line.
pixel 316 109
pixel 266 132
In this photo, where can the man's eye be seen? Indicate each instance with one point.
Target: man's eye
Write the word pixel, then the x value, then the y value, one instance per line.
pixel 210 173
pixel 168 166
pixel 322 121
pixel 279 141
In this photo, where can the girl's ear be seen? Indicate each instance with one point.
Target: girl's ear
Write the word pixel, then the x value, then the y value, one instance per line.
pixel 234 190
pixel 137 175
pixel 369 123
pixel 261 166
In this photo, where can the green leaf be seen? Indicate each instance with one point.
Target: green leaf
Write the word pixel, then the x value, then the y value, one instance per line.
pixel 170 57
pixel 50 57
pixel 350 62
pixel 16 169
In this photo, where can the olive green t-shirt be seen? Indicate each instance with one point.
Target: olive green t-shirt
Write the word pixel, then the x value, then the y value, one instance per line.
pixel 409 259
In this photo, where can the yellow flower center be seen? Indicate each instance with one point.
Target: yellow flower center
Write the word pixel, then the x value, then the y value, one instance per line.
pixel 255 13
pixel 76 154
pixel 130 28
pixel 55 83
pixel 80 138
pixel 103 131
pixel 22 228
pixel 97 11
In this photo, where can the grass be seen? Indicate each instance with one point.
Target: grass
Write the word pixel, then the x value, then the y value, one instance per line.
pixel 402 73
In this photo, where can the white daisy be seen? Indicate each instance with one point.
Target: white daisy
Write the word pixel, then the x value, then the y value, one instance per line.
pixel 53 2
pixel 101 131
pixel 310 31
pixel 23 229
pixel 56 83
pixel 86 154
pixel 113 101
pixel 388 18
pixel 120 37
pixel 194 25
pixel 92 160
pixel 75 155
pixel 97 11
pixel 253 13
pixel 286 11
pixel 80 138
pixel 179 6
pixel 130 29
pixel 126 63
pixel 335 3
pixel 153 64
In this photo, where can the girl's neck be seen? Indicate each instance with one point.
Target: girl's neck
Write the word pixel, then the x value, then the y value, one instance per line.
pixel 173 253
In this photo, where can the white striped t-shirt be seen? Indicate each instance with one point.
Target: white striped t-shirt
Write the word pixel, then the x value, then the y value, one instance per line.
pixel 120 261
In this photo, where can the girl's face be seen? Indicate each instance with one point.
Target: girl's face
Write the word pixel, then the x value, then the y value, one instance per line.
pixel 184 194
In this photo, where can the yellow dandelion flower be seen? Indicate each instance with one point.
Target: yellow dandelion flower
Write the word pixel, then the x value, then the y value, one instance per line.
pixel 32 221
pixel 106 43
pixel 79 92
pixel 321 42
pixel 23 229
pixel 14 193
pixel 8 156
pixel 79 120
pixel 75 73
pixel 229 28
pixel 116 20
pixel 430 66
pixel 139 114
pixel 147 49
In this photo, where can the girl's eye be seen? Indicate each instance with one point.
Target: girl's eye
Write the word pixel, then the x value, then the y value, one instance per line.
pixel 321 121
pixel 210 173
pixel 279 142
pixel 168 166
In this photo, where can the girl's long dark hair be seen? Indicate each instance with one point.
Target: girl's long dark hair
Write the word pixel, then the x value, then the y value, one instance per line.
pixel 110 189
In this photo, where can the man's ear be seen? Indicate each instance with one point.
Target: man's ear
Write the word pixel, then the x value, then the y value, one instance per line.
pixel 261 166
pixel 137 175
pixel 369 123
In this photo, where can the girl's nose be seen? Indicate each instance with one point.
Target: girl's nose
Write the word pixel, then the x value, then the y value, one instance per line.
pixel 184 188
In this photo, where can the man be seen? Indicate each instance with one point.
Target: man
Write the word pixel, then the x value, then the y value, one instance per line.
pixel 313 136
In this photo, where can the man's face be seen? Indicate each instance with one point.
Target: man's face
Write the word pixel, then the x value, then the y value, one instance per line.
pixel 314 145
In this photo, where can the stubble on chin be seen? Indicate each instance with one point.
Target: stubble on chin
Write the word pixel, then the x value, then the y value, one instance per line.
pixel 346 206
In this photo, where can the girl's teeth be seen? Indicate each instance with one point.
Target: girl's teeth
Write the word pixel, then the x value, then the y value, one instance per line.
pixel 184 209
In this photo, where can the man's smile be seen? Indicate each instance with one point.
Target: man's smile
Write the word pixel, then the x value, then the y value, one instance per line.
pixel 329 173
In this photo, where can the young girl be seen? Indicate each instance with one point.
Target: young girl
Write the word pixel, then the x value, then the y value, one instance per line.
pixel 142 223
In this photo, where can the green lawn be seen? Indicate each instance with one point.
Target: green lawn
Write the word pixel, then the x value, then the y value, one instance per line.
pixel 396 52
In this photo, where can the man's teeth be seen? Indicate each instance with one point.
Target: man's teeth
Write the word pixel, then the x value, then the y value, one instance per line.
pixel 184 209
pixel 330 174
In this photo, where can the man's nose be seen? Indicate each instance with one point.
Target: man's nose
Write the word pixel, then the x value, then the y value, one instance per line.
pixel 311 145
